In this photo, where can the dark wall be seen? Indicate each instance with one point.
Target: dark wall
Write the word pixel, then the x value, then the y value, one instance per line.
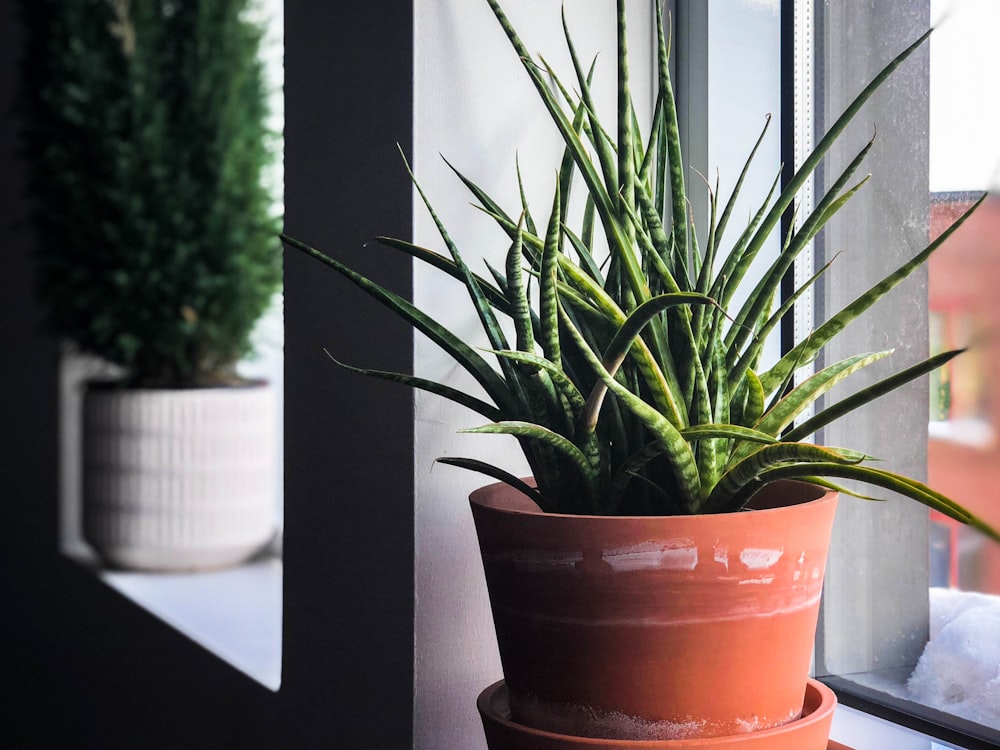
pixel 81 666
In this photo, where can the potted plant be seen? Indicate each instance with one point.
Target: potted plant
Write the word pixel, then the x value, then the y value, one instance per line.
pixel 144 131
pixel 657 579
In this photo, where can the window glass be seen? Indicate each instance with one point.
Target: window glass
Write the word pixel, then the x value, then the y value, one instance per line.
pixel 964 158
pixel 958 671
pixel 936 153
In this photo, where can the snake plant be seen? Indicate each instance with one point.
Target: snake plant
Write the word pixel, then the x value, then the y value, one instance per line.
pixel 632 381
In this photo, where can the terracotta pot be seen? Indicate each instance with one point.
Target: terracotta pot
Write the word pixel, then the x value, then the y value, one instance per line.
pixel 655 627
pixel 178 479
pixel 809 732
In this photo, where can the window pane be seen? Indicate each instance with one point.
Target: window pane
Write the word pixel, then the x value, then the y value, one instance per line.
pixel 936 152
pixel 958 670
pixel 964 158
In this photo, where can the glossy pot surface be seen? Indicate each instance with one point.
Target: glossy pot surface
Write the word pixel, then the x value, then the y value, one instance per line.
pixel 656 627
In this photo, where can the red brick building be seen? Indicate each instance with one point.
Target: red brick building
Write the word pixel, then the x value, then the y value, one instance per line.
pixel 964 448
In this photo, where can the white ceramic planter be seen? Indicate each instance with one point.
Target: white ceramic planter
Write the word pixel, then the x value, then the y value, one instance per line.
pixel 178 479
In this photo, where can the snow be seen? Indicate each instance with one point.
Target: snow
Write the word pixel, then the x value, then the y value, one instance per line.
pixel 959 670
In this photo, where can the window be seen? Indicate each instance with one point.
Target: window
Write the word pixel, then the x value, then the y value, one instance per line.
pixel 877 618
pixel 877 615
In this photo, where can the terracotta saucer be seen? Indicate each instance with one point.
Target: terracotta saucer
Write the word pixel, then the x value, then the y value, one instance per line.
pixel 810 732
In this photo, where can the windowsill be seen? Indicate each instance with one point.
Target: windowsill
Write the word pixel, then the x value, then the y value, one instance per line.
pixel 235 613
pixel 974 433
pixel 950 687
pixel 863 731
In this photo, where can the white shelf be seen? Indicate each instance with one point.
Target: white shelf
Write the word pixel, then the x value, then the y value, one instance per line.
pixel 862 731
pixel 235 614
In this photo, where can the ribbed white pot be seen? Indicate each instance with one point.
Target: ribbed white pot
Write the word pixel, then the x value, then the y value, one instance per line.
pixel 178 479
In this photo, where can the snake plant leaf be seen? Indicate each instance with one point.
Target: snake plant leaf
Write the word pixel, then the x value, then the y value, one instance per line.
pixel 656 243
pixel 548 298
pixel 660 197
pixel 564 397
pixel 564 446
pixel 483 309
pixel 462 353
pixel 664 391
pixel 765 289
pixel 752 352
pixel 676 448
pixel 869 394
pixel 813 160
pixel 721 289
pixel 501 283
pixel 517 295
pixel 581 304
pixel 672 142
pixel 602 145
pixel 756 310
pixel 492 209
pixel 580 107
pixel 809 347
pixel 500 475
pixel 580 155
pixel 566 166
pixel 728 432
pixel 842 489
pixel 806 393
pixel 438 389
pixel 768 286
pixel 628 333
pixel 583 251
pixel 527 220
pixel 493 294
pixel 727 211
pixel 745 471
pixel 753 403
pixel 707 263
pixel 626 136
pixel 649 159
pixel 565 386
pixel 587 228
pixel 879 478
pixel 799 398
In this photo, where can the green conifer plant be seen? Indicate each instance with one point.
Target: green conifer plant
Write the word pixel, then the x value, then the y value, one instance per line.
pixel 146 139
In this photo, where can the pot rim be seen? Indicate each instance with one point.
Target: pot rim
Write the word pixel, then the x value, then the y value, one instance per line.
pixel 527 507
